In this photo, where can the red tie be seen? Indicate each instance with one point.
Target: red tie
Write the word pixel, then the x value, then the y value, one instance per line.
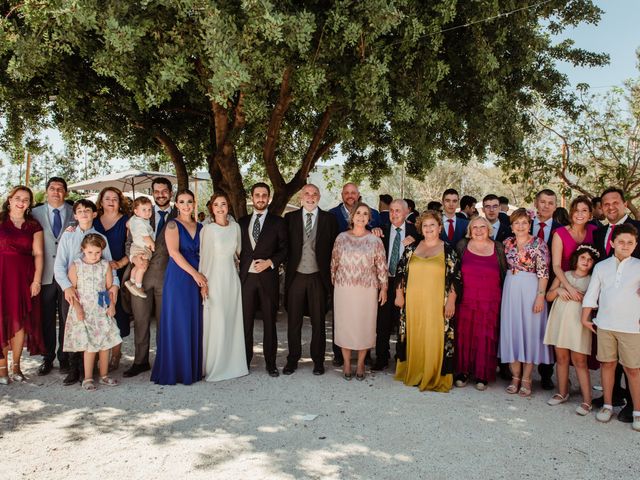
pixel 607 247
pixel 450 230
pixel 541 231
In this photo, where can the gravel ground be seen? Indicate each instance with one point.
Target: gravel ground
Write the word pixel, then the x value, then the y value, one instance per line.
pixel 299 426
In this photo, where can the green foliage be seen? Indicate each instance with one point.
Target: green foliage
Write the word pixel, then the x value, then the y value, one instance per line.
pixel 398 81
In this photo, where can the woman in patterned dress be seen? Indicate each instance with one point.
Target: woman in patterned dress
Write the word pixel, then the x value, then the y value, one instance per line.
pixel 359 275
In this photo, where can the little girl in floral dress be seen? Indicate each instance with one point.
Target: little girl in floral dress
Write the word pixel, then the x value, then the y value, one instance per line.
pixel 90 327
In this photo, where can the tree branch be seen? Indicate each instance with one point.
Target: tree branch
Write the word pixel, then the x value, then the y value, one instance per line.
pixel 273 130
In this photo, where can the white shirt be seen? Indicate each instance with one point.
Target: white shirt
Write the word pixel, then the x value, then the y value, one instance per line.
pixel 314 217
pixel 445 223
pixel 613 290
pixel 619 222
pixel 547 228
pixel 157 217
pixel 392 236
pixel 496 228
pixel 63 215
pixel 254 217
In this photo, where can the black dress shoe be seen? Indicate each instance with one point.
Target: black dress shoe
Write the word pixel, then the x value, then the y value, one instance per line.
pixel 318 369
pixel 45 368
pixel 289 368
pixel 338 362
pixel 273 372
pixel 599 402
pixel 626 414
pixel 72 378
pixel 136 369
pixel 547 383
pixel 380 365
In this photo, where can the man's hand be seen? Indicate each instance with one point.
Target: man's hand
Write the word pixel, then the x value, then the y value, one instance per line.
pixel 71 294
pixel 408 240
pixel 377 232
pixel 262 265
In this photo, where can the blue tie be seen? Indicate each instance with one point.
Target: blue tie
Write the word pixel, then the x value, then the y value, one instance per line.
pixel 162 214
pixel 57 222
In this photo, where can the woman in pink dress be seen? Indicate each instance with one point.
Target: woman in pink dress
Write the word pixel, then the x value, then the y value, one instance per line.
pixel 483 268
pixel 21 263
pixel 359 275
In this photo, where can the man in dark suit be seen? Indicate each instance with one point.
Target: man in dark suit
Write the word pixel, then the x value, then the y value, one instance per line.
pixel 54 217
pixel 384 200
pixel 264 248
pixel 491 210
pixel 454 228
pixel 350 197
pixel 396 236
pixel 597 214
pixel 543 227
pixel 467 208
pixel 144 309
pixel 504 210
pixel 311 233
pixel 614 206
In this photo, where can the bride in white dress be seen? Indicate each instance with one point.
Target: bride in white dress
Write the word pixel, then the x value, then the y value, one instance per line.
pixel 224 354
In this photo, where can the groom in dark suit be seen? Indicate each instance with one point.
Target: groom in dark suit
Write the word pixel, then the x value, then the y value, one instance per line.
pixel 311 233
pixel 264 248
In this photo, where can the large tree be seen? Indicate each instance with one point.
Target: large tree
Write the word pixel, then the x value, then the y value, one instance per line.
pixel 279 85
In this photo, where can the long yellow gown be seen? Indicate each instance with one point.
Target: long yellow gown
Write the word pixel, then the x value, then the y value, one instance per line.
pixel 425 326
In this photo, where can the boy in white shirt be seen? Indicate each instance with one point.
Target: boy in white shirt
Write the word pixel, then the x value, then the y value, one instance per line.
pixel 615 291
pixel 143 243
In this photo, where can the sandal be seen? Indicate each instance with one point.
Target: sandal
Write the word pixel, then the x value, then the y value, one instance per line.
pixel 17 375
pixel 584 409
pixel 525 391
pixel 4 380
pixel 108 381
pixel 557 399
pixel 114 363
pixel 514 386
pixel 88 385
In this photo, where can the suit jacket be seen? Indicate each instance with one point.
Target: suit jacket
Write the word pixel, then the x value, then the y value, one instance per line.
pixel 409 231
pixel 326 233
pixel 462 216
pixel 599 239
pixel 504 218
pixel 504 232
pixel 41 214
pixel 343 225
pixel 458 234
pixel 272 245
pixel 554 225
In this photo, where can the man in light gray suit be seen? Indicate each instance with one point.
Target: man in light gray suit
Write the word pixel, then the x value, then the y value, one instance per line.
pixel 54 217
pixel 144 309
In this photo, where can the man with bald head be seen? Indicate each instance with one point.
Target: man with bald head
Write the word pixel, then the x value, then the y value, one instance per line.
pixel 350 197
pixel 397 235
pixel 311 233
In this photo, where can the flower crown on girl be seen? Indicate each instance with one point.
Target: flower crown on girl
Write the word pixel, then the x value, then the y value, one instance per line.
pixel 591 249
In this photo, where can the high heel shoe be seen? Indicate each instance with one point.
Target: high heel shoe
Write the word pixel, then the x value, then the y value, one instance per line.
pixel 17 375
pixel 4 380
pixel 514 386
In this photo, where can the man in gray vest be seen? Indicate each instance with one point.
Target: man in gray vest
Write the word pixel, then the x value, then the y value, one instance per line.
pixel 311 234
pixel 54 217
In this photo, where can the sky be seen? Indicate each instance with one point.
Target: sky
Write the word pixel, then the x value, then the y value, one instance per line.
pixel 618 34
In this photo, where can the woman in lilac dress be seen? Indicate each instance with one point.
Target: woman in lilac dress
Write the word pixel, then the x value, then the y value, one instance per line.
pixel 483 268
pixel 523 314
pixel 112 223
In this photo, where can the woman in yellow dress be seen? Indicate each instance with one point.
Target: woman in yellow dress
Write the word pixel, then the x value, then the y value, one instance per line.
pixel 428 279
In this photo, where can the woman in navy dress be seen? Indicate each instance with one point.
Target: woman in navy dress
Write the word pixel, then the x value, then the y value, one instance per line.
pixel 111 221
pixel 179 350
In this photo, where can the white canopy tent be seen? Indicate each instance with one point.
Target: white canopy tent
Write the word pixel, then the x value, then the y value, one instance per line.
pixel 130 180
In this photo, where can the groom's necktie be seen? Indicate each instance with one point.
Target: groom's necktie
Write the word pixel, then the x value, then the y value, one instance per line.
pixel 162 220
pixel 256 228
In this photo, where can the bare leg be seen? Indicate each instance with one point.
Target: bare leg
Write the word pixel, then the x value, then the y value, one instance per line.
pixel 562 370
pixel 103 362
pixel 361 356
pixel 582 371
pixel 89 362
pixel 346 366
pixel 633 375
pixel 608 372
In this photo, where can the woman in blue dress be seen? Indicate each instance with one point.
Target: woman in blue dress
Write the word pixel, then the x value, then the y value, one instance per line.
pixel 113 214
pixel 179 344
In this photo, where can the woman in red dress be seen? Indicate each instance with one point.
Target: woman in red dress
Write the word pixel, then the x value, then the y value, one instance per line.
pixel 21 261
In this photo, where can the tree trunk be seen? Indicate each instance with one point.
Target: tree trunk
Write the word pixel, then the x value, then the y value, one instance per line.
pixel 176 156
